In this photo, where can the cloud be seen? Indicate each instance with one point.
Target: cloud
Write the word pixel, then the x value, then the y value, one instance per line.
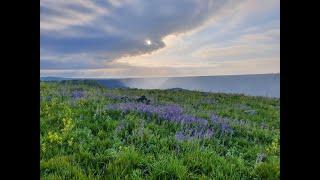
pixel 107 30
pixel 189 37
pixel 248 44
pixel 60 14
pixel 222 39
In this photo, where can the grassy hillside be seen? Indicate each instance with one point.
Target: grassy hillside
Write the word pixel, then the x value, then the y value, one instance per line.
pixel 91 132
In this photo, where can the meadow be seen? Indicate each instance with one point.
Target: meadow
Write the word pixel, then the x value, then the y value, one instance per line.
pixel 92 132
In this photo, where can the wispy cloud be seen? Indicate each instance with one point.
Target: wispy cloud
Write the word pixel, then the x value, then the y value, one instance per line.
pixel 207 37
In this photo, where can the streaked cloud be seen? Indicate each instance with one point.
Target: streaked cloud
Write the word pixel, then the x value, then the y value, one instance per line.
pixel 187 37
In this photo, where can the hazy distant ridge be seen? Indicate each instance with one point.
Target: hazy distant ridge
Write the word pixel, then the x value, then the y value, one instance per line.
pixel 255 85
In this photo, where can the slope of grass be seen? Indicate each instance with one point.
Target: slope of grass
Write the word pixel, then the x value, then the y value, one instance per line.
pixel 82 138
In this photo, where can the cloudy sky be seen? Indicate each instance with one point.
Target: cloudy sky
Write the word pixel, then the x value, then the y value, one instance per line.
pixel 147 38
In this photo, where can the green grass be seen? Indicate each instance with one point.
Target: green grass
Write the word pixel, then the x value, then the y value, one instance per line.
pixel 82 139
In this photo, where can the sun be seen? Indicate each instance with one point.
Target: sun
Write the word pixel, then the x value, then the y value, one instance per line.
pixel 148 42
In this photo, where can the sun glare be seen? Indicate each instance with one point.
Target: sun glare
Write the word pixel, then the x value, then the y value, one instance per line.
pixel 148 42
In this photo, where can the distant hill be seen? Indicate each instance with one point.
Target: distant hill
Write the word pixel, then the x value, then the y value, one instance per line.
pixel 53 78
pixel 112 83
pixel 176 89
pixel 255 85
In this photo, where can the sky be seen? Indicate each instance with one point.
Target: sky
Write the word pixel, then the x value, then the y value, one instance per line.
pixel 158 38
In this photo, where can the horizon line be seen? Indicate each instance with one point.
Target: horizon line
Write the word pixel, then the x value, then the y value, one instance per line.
pixel 132 77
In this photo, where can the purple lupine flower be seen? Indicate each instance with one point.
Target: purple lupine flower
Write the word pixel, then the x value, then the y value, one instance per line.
pixel 215 118
pixel 172 113
pixel 204 133
pixel 180 136
pixel 209 133
pixel 77 94
pixel 191 134
pixel 225 128
pixel 222 124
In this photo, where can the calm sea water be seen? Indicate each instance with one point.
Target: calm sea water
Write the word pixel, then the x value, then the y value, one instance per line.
pixel 254 85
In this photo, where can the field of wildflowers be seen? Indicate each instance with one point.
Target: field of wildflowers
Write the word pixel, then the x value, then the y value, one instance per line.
pixel 92 132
